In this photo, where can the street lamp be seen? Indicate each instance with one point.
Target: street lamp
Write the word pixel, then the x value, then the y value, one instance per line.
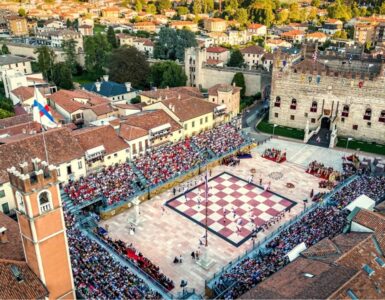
pixel 347 143
pixel 275 125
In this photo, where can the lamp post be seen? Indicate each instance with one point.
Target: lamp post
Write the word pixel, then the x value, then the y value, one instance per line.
pixel 347 143
pixel 275 125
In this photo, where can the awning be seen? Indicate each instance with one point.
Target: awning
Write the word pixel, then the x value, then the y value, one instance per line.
pixel 95 152
pixel 220 107
pixel 160 128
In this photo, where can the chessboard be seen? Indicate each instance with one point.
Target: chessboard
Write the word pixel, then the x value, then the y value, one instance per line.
pixel 235 207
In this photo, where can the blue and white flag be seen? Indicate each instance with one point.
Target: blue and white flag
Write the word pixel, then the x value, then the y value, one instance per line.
pixel 41 111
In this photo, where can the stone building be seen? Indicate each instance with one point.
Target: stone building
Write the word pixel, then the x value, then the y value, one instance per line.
pixel 332 95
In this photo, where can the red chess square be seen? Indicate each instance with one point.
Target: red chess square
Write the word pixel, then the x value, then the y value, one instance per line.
pixel 191 194
pixel 253 203
pixel 209 222
pixel 237 203
pixel 266 194
pixel 222 203
pixel 190 212
pixel 257 212
pixel 272 211
pixel 224 221
pixel 234 186
pixel 251 194
pixel 221 194
pixel 249 187
pixel 174 203
pixel 285 202
pixel 191 203
pixel 240 211
pixel 226 232
pixel 236 194
pixel 233 180
pixel 268 202
pixel 258 221
pixel 219 179
pixel 244 232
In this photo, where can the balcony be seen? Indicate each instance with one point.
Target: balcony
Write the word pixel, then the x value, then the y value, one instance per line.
pixel 45 207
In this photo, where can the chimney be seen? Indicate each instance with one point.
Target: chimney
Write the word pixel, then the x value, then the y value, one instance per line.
pixel 179 96
pixel 3 235
pixel 128 86
pixel 105 78
pixel 98 85
pixel 24 167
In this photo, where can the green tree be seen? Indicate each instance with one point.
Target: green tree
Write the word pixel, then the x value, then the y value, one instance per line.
pixel 151 9
pixel 4 49
pixel 167 73
pixel 5 113
pixel 294 12
pixel 138 6
pixel 236 59
pixel 62 76
pixel 182 10
pixel 96 49
pixel 127 64
pixel 135 100
pixel 111 37
pixel 45 60
pixel 339 10
pixel 316 3
pixel 262 12
pixel 171 43
pixel 22 12
pixel 239 81
pixel 69 48
pixel 382 8
pixel 241 16
pixel 283 16
pixel 68 23
pixel 197 7
pixel 207 6
pixel 164 4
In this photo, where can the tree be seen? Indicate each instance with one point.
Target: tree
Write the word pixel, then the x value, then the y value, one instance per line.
pixel 135 100
pixel 68 23
pixel 45 60
pixel 167 73
pixel 151 9
pixel 316 3
pixel 239 81
pixel 4 49
pixel 69 48
pixel 164 4
pixel 62 76
pixel 241 16
pixel 127 64
pixel 294 12
pixel 382 8
pixel 22 12
pixel 197 7
pixel 111 37
pixel 96 49
pixel 171 43
pixel 182 10
pixel 283 16
pixel 138 6
pixel 262 12
pixel 339 10
pixel 236 59
pixel 5 113
pixel 207 6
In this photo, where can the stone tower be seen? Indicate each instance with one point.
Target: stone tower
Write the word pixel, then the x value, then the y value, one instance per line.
pixel 42 228
pixel 194 59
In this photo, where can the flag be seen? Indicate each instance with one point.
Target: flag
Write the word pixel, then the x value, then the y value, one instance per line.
pixel 206 186
pixel 41 111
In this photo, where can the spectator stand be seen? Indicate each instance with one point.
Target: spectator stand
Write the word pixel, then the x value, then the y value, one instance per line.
pixel 260 246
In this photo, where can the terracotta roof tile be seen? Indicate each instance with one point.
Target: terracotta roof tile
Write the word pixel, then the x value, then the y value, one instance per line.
pixel 255 26
pixel 13 249
pixel 293 33
pixel 216 49
pixel 23 92
pixel 7 122
pixel 21 128
pixel 61 147
pixel 213 91
pixel 183 92
pixel 254 49
pixel 30 288
pixel 96 136
pixel 130 133
pixel 149 119
pixel 102 109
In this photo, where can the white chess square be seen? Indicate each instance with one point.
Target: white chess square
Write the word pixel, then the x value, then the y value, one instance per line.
pixel 263 207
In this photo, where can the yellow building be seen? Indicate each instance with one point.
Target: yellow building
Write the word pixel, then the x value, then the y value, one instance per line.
pixel 215 24
pixel 227 97
pixel 17 26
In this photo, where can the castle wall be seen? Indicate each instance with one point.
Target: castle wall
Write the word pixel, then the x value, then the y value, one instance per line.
pixel 332 92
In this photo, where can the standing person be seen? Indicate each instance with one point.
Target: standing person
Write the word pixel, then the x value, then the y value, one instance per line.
pixel 180 258
pixel 234 210
pixel 174 190
pixel 311 194
pixel 193 255
pixel 210 172
pixel 260 181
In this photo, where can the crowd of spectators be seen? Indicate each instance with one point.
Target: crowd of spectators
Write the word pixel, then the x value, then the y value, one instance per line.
pixel 322 222
pixel 113 183
pixel 320 170
pixel 219 140
pixel 136 257
pixel 97 275
pixel 313 227
pixel 161 164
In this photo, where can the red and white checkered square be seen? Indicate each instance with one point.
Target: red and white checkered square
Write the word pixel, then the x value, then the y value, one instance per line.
pixel 231 199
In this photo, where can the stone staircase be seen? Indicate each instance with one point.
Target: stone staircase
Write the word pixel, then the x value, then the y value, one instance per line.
pixel 140 175
pixel 67 203
pixel 324 135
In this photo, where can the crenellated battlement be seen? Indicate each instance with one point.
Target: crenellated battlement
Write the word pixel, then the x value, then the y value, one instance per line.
pixel 32 176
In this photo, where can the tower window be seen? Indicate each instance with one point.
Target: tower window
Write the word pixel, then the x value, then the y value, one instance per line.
pixel 368 114
pixel 44 202
pixel 313 107
pixel 382 117
pixel 293 104
pixel 277 102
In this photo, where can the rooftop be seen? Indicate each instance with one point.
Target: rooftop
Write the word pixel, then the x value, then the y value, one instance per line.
pixel 7 59
pixel 107 88
pixel 13 250
pixel 149 119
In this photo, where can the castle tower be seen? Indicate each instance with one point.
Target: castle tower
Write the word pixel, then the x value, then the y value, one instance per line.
pixel 42 228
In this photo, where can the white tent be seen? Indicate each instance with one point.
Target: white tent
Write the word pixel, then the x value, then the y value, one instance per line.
pixel 294 253
pixel 362 201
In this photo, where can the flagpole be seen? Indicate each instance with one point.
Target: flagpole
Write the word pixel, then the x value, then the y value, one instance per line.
pixel 206 208
pixel 43 130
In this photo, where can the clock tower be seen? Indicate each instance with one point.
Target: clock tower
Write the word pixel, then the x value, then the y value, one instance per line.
pixel 42 228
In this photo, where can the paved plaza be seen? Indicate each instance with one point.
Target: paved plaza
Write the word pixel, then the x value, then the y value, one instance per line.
pixel 235 207
pixel 164 233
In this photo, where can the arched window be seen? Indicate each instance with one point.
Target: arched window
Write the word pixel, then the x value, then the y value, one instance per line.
pixel 368 114
pixel 313 107
pixel 382 116
pixel 44 201
pixel 293 104
pixel 277 101
pixel 345 110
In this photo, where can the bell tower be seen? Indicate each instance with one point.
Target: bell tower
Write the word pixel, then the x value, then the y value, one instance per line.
pixel 42 228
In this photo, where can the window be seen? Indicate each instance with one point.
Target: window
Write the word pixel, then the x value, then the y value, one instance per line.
pixel 313 107
pixel 352 295
pixel 193 124
pixel 134 148
pixel 368 270
pixel 80 165
pixel 312 120
pixel 44 201
pixel 201 121
pixel 69 170
pixel 277 102
pixel 342 120
pixel 58 171
pixel 185 126
pixel 368 114
pixel 380 262
pixel 382 117
pixel 223 101
pixel 5 208
pixel 355 127
pixel 306 114
pixel 109 157
pixel 140 146
pixel 206 119
pixel 293 104
pixel 292 117
pixel 116 155
pixel 2 193
pixel 276 115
